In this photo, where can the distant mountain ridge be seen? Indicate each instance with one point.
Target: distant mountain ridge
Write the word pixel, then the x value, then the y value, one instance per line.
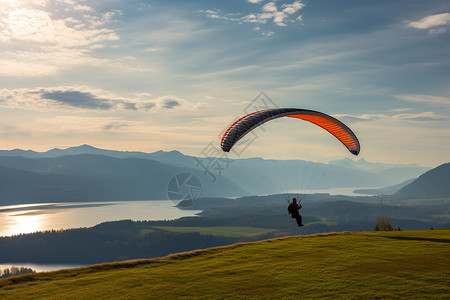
pixel 434 183
pixel 91 177
pixel 177 157
pixel 389 190
pixel 83 149
pixel 363 164
pixel 100 175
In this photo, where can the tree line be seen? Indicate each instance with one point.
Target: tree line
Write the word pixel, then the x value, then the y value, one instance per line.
pixel 15 271
pixel 122 240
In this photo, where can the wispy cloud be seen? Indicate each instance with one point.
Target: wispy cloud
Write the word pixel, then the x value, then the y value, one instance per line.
pixel 419 117
pixel 362 118
pixel 435 100
pixel 422 117
pixel 436 24
pixel 54 40
pixel 78 99
pixel 88 124
pixel 68 98
pixel 44 29
pixel 170 103
pixel 282 15
pixel 115 125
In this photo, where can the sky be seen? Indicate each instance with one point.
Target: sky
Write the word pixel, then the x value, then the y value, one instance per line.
pixel 172 75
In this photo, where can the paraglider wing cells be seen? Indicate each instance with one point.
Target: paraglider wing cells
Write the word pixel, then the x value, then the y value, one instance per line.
pixel 249 122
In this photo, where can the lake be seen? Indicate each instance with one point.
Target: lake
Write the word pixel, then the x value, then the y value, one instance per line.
pixel 27 218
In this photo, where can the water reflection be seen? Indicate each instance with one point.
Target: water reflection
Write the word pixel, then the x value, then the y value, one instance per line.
pixel 27 218
pixel 23 223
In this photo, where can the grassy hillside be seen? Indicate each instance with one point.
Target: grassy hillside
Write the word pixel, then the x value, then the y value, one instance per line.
pixel 432 184
pixel 405 264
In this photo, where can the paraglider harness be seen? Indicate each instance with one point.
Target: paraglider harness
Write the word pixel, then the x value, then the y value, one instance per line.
pixel 292 210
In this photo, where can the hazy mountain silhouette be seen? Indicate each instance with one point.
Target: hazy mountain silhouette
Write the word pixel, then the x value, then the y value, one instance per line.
pixel 124 175
pixel 362 164
pixel 389 190
pixel 19 186
pixel 89 177
pixel 433 184
pixel 83 149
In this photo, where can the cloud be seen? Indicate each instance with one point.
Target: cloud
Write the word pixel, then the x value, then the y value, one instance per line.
pixel 422 117
pixel 63 98
pixel 435 100
pixel 173 102
pixel 152 49
pixel 129 105
pixel 363 118
pixel 438 30
pixel 43 29
pixel 83 125
pixel 419 117
pixel 279 17
pixel 82 8
pixel 44 40
pixel 401 109
pixel 269 12
pixel 51 62
pixel 82 98
pixel 270 7
pixel 148 106
pixel 170 103
pixel 431 21
pixel 115 125
pixel 441 21
pixel 292 8
pixel 268 33
pixel 78 99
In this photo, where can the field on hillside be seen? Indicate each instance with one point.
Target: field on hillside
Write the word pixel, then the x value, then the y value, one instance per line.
pixel 223 231
pixel 363 265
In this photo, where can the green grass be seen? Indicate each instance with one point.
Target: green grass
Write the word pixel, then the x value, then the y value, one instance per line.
pixel 365 265
pixel 223 231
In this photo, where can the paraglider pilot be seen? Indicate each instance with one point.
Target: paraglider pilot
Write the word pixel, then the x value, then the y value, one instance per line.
pixel 293 210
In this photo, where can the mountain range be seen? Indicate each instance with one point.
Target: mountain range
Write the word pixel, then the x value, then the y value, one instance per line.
pixel 389 190
pixel 432 184
pixel 91 177
pixel 86 173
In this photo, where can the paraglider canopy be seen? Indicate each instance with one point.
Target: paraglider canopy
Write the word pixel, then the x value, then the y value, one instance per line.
pixel 249 122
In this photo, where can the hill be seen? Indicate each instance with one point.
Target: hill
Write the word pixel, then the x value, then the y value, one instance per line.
pixel 217 226
pixel 221 176
pixel 366 265
pixel 362 164
pixel 92 177
pixel 432 184
pixel 389 190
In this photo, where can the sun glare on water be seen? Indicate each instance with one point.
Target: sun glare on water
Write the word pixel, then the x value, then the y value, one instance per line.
pixel 24 222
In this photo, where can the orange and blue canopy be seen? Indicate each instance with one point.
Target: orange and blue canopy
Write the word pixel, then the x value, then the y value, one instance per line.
pixel 249 122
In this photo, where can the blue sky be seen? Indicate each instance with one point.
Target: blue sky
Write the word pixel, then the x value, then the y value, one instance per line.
pixel 151 75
